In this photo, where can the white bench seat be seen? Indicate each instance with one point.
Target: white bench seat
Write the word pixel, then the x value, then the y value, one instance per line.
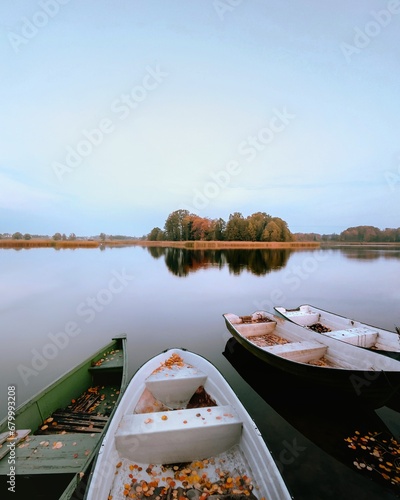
pixel 175 385
pixel 361 336
pixel 304 318
pixel 256 329
pixel 178 435
pixel 303 352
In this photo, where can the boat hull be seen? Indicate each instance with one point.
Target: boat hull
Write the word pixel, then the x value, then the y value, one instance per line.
pixel 65 436
pixel 344 329
pixel 123 447
pixel 371 386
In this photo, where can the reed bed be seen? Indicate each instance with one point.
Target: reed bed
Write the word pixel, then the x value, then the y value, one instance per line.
pixel 190 245
pixel 220 245
pixel 47 243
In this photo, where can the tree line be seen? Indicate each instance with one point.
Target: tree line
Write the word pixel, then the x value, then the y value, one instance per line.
pixel 361 234
pixel 181 225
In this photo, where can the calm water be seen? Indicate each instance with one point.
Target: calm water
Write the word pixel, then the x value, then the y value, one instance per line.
pixel 59 306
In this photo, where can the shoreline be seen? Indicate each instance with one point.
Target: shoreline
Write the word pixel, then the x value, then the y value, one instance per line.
pixel 188 245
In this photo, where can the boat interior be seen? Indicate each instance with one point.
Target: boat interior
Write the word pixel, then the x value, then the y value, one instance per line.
pixel 67 421
pixel 345 329
pixel 179 442
pixel 280 338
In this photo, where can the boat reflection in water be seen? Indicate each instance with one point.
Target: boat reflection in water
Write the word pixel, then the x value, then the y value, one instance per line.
pixel 350 433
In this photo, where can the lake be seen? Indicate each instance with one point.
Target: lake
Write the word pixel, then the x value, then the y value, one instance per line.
pixel 60 306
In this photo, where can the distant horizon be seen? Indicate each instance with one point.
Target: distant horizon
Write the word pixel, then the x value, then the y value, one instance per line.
pixel 94 235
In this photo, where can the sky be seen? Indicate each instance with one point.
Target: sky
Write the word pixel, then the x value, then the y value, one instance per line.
pixel 114 114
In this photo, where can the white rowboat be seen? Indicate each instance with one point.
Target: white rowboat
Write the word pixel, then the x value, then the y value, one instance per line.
pixel 344 329
pixel 316 358
pixel 181 432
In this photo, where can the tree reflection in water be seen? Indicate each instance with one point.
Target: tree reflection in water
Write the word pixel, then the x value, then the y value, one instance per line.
pixel 181 261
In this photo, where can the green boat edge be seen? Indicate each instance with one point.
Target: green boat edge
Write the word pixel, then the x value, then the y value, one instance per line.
pixel 32 413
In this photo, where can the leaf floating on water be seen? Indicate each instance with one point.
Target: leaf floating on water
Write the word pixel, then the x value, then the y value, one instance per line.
pixel 57 445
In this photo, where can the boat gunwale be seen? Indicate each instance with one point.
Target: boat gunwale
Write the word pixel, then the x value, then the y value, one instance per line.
pixel 394 353
pixel 342 379
pixel 68 374
pixel 216 386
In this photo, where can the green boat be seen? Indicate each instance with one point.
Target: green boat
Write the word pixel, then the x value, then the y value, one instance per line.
pixel 48 444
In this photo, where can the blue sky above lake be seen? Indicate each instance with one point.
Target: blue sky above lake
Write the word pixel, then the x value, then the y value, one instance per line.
pixel 114 114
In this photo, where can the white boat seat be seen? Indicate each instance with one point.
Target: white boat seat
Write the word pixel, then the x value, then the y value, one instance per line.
pixel 360 336
pixel 256 329
pixel 303 352
pixel 179 435
pixel 175 385
pixel 304 318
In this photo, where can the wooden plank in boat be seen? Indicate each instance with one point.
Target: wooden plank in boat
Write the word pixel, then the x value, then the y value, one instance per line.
pixel 111 362
pixel 52 454
pixel 4 449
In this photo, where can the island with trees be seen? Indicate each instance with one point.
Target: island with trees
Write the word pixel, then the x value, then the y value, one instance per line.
pixel 183 229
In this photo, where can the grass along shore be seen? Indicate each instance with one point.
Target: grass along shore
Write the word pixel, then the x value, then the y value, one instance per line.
pixel 190 245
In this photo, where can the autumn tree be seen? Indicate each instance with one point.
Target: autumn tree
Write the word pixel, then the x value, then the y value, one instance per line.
pixel 156 234
pixel 177 226
pixel 218 229
pixel 201 228
pixel 236 228
pixel 257 223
